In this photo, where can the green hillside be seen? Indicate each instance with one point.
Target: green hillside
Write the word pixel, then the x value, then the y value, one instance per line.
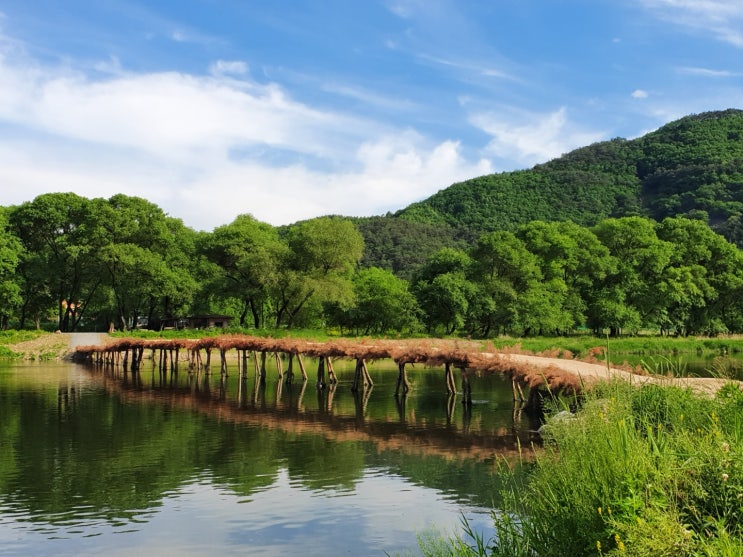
pixel 691 167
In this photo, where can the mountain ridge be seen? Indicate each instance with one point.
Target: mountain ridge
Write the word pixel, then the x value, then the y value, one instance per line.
pixel 690 167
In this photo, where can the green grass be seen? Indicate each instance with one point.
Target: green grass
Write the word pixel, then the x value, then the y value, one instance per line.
pixel 13 336
pixel 649 471
pixel 582 345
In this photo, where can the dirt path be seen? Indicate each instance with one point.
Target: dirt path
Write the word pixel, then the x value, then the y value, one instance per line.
pixel 85 339
pixel 56 346
pixel 591 373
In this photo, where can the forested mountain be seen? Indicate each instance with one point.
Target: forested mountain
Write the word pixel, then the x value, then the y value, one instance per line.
pixel 691 167
pixel 619 236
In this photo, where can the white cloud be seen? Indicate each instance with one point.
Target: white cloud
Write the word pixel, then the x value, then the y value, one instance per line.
pixel 707 72
pixel 406 8
pixel 721 18
pixel 532 137
pixel 110 66
pixel 226 67
pixel 639 94
pixel 205 147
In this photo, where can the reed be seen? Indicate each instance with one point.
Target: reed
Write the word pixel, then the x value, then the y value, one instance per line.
pixel 640 471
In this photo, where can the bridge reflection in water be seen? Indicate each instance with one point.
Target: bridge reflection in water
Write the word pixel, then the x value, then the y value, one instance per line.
pixel 432 422
pixel 469 358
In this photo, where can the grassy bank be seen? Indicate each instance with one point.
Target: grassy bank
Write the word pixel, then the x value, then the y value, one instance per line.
pixel 9 340
pixel 585 345
pixel 651 471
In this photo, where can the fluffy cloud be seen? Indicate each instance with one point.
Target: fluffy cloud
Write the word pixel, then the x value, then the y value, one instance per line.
pixel 207 147
pixel 532 137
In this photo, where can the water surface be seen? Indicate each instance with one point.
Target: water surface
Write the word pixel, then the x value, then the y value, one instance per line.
pixel 196 464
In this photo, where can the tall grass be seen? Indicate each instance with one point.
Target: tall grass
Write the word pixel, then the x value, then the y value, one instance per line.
pixel 649 471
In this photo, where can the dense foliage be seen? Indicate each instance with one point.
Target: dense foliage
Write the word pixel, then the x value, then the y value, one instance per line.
pixel 70 263
pixel 691 167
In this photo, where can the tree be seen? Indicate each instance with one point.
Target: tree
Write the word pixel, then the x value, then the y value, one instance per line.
pixel 316 269
pixel 10 287
pixel 572 261
pixel 704 278
pixel 629 296
pixel 59 267
pixel 504 270
pixel 248 254
pixel 443 290
pixel 382 303
pixel 445 301
pixel 142 252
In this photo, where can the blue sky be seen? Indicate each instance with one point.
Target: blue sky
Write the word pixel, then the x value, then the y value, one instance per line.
pixel 293 109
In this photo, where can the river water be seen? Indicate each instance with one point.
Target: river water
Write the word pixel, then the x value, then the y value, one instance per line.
pixel 95 460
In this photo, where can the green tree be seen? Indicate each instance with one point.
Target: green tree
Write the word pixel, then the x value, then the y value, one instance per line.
pixel 443 290
pixel 10 287
pixel 629 296
pixel 503 270
pixel 59 266
pixel 248 254
pixel 146 269
pixel 445 301
pixel 703 279
pixel 572 261
pixel 382 302
pixel 316 269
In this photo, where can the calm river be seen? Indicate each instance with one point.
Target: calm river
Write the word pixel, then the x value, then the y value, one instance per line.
pixel 192 465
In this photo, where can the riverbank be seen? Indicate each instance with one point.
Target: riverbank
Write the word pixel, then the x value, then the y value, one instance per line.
pixel 39 346
pixel 649 471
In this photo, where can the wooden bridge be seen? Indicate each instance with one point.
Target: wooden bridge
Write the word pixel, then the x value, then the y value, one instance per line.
pixel 468 358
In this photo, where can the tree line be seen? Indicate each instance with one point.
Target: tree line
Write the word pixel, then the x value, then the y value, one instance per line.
pixel 72 263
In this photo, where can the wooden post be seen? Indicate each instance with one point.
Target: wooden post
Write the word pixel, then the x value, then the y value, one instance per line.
pixel 301 367
pixel 134 359
pixel 223 361
pixel 367 377
pixel 357 376
pixel 332 379
pixel 256 366
pixel 466 387
pixel 279 367
pixel 263 366
pixel 321 373
pixel 518 394
pixel 451 384
pixel 402 379
pixel 290 369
